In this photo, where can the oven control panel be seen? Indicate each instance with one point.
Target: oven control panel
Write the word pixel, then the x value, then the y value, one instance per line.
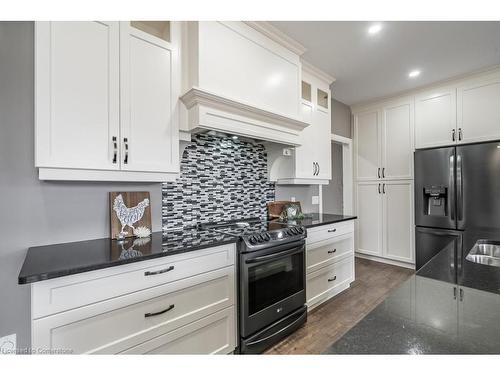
pixel 275 237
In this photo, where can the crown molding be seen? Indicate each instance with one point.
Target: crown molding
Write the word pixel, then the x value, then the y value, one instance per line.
pixel 272 32
pixel 311 69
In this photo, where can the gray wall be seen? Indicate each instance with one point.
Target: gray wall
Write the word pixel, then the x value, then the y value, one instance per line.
pixel 341 119
pixel 333 192
pixel 302 194
pixel 35 212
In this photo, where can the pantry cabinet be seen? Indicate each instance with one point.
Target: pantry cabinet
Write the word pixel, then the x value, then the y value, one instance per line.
pixel 384 145
pixel 385 219
pixel 105 102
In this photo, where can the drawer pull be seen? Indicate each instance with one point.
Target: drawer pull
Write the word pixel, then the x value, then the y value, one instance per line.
pixel 150 273
pixel 332 279
pixel 332 251
pixel 147 315
pixel 332 230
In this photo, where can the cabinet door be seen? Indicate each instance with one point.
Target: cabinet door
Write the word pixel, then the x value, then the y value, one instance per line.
pixel 76 94
pixel 398 220
pixel 369 223
pixel 148 112
pixel 305 154
pixel 397 131
pixel 477 310
pixel 435 118
pixel 323 144
pixel 478 110
pixel 367 142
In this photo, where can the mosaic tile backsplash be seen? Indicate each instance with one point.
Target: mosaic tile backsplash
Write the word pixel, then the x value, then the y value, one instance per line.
pixel 221 179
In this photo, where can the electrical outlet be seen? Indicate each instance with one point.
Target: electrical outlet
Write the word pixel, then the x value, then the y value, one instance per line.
pixel 315 199
pixel 287 152
pixel 8 344
pixel 292 199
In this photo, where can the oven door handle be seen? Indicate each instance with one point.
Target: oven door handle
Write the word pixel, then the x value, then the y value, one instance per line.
pixel 265 258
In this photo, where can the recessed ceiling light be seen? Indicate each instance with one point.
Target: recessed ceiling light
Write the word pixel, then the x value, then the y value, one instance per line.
pixel 414 73
pixel 374 29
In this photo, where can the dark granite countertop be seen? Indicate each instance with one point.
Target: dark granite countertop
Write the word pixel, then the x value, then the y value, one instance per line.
pixel 51 261
pixel 315 220
pixel 434 312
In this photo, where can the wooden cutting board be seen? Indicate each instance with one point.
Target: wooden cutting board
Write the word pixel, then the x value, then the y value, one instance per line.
pixel 134 209
pixel 274 209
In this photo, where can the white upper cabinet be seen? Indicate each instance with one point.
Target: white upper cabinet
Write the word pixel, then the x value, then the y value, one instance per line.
pixel 77 95
pixel 466 111
pixel 397 136
pixel 436 118
pixel 240 80
pixel 309 163
pixel 148 109
pixel 105 102
pixel 367 140
pixel 478 109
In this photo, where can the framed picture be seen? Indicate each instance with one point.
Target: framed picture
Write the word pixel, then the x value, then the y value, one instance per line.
pixel 128 211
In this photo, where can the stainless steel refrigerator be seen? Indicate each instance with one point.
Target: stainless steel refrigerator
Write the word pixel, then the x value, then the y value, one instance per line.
pixel 457 203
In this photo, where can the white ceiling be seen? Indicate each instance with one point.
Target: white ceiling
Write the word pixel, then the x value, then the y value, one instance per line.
pixel 373 66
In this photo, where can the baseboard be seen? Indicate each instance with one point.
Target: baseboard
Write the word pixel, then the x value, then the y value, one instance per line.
pixel 386 261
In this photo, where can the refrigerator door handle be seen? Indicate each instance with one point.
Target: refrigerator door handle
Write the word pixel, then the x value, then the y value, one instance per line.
pixel 451 195
pixel 460 188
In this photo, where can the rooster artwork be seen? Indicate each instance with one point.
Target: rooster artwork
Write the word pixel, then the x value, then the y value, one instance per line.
pixel 130 210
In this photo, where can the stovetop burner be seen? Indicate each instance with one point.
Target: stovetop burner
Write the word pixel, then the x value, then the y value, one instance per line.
pixel 257 234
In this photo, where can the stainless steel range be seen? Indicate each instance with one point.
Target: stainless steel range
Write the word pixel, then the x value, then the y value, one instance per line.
pixel 272 280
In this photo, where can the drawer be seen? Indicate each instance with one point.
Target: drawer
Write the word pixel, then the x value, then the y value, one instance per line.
pixel 322 253
pixel 65 293
pixel 328 281
pixel 324 232
pixel 99 328
pixel 215 334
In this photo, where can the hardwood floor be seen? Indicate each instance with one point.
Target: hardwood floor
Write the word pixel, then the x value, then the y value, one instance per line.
pixel 331 320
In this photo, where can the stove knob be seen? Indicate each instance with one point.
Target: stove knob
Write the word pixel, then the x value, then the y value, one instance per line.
pixel 260 238
pixel 301 230
pixel 289 232
pixel 252 240
pixel 295 230
pixel 267 237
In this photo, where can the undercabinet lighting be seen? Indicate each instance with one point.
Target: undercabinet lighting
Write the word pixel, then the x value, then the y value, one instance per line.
pixel 235 137
pixel 414 73
pixel 374 29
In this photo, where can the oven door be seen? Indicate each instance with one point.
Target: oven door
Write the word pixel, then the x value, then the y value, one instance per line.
pixel 272 285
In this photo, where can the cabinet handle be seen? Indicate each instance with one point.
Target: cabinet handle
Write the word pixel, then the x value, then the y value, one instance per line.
pixel 151 273
pixel 332 230
pixel 332 251
pixel 459 134
pixel 383 188
pixel 314 168
pixel 383 172
pixel 379 188
pixel 332 279
pixel 378 172
pixel 453 135
pixel 454 292
pixel 319 168
pixel 115 150
pixel 125 142
pixel 461 294
pixel 147 315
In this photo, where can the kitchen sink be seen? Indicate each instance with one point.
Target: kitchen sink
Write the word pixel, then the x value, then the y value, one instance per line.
pixel 485 252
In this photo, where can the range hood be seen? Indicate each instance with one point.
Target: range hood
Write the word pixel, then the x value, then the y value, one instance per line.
pixel 209 111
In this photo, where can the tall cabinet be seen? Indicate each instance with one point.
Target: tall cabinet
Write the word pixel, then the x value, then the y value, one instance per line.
pixel 384 144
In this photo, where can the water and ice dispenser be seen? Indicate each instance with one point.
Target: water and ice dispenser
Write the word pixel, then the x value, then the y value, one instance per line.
pixel 435 200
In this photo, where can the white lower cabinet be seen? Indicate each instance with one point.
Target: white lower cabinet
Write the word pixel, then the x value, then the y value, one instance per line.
pixel 191 315
pixel 329 260
pixel 385 220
